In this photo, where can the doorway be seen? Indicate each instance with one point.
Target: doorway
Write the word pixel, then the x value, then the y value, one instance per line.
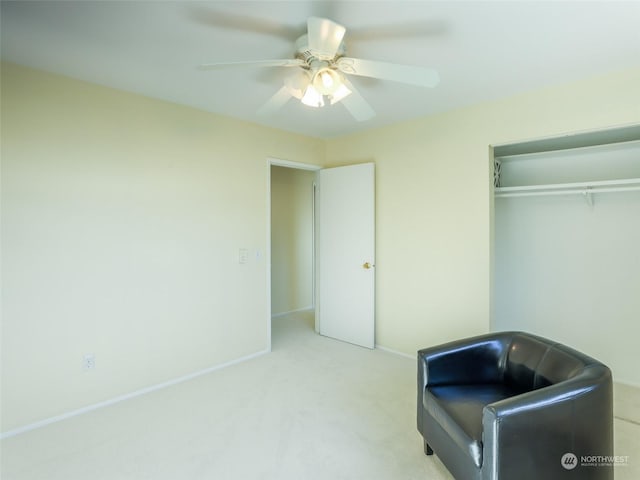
pixel 341 247
pixel 292 277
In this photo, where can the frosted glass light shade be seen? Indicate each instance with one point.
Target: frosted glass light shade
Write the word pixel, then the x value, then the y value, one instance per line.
pixel 312 97
pixel 341 92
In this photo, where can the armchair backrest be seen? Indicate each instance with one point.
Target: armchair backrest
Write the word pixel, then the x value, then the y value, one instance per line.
pixel 522 360
pixel 559 364
pixel 534 362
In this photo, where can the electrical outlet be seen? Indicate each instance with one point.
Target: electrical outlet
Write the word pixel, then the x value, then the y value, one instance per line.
pixel 89 361
pixel 243 256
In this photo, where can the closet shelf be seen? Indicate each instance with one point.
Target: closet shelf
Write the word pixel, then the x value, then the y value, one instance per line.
pixel 583 188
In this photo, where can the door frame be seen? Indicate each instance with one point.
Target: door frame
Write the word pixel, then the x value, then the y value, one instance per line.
pixel 278 162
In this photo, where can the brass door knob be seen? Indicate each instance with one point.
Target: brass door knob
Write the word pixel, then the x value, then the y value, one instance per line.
pixel 367 265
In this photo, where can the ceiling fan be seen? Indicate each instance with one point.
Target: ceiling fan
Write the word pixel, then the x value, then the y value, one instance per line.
pixel 322 66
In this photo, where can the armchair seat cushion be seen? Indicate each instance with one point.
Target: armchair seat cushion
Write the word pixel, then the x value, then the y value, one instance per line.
pixel 458 410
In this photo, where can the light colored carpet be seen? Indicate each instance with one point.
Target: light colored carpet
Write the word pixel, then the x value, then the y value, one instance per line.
pixel 314 408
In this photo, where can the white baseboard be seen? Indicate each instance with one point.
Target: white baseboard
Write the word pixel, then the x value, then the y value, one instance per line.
pixel 298 310
pixel 127 396
pixel 626 402
pixel 395 352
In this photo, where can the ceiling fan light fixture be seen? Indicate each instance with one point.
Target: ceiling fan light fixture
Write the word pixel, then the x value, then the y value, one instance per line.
pixel 312 97
pixel 327 81
pixel 297 83
pixel 342 92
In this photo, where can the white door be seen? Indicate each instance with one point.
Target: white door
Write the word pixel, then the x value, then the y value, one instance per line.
pixel 346 248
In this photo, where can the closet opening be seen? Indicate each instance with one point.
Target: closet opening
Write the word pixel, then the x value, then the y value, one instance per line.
pixel 566 256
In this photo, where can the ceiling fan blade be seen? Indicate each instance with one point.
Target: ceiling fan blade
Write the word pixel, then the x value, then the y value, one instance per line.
pixel 355 103
pixel 413 75
pixel 276 102
pixel 206 14
pixel 291 62
pixel 391 31
pixel 324 36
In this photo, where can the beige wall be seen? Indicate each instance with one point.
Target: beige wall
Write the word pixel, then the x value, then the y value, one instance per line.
pixel 434 201
pixel 291 239
pixel 122 218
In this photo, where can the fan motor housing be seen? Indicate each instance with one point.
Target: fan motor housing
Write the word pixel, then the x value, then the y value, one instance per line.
pixel 303 52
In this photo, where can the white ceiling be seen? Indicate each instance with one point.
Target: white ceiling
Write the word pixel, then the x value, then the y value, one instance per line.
pixel 483 50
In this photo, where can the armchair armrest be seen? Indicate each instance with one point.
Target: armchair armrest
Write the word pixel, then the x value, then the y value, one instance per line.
pixel 544 424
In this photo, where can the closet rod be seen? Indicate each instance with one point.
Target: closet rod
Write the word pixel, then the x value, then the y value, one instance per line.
pixel 572 185
pixel 583 191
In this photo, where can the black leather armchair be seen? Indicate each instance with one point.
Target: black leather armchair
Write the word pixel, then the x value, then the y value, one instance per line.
pixel 515 406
